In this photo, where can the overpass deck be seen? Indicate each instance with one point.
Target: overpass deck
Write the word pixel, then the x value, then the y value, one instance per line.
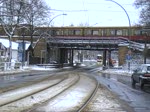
pixel 93 43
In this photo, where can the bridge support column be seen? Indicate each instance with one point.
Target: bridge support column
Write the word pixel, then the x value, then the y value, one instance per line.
pixel 65 55
pixel 123 49
pixel 109 58
pixel 71 57
pixel 104 57
pixel 63 58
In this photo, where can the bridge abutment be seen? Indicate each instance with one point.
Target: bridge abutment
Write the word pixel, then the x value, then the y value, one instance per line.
pixel 122 52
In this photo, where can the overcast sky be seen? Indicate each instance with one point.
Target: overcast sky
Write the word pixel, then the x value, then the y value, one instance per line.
pixel 92 12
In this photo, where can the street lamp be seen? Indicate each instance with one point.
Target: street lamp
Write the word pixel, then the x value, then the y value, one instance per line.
pixel 50 34
pixel 56 17
pixel 23 44
pixel 129 30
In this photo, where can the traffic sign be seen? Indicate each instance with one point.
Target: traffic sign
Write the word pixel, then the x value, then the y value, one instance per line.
pixel 128 57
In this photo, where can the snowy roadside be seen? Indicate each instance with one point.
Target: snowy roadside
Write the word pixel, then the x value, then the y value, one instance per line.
pixel 117 71
pixel 106 101
pixel 26 69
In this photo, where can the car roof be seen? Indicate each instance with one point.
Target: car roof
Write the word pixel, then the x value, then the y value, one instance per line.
pixel 145 64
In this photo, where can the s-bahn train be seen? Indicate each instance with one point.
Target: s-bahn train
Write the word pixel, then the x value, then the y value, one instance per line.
pixel 133 33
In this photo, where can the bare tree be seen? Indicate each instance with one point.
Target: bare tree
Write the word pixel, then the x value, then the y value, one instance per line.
pixel 14 13
pixel 36 14
pixel 144 6
pixel 10 16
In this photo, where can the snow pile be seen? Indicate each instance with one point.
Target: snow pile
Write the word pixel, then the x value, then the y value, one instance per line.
pixel 119 71
pixel 38 68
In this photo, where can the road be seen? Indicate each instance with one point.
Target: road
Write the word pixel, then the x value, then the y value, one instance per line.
pixel 116 89
pixel 57 91
pixel 9 82
pixel 121 86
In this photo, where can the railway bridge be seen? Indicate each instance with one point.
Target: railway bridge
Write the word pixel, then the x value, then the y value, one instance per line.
pixel 61 49
pixel 61 42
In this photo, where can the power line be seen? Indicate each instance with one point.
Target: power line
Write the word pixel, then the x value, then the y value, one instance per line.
pixel 104 3
pixel 60 10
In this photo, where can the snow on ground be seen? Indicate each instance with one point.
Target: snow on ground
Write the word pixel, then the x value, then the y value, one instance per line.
pixel 118 71
pixel 34 67
pixel 26 69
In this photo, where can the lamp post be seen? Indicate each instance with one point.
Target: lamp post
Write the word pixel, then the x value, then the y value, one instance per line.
pixel 145 47
pixel 129 30
pixel 56 17
pixel 145 30
pixel 50 34
pixel 23 44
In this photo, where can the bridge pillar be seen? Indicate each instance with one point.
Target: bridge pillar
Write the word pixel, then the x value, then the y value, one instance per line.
pixel 109 58
pixel 63 58
pixel 71 57
pixel 104 57
pixel 123 49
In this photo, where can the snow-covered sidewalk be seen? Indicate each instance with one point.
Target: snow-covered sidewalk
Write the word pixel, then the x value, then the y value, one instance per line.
pixel 26 69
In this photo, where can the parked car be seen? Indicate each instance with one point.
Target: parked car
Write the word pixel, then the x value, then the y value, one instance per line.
pixel 141 75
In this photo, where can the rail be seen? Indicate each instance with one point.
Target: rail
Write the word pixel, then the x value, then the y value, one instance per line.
pixel 91 97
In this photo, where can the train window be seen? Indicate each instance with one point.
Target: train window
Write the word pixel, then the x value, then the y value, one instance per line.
pixel 125 32
pixel 53 32
pixel 77 32
pixel 137 32
pixel 119 32
pixel 70 32
pixel 61 32
pixel 65 32
pixel 95 32
pixel 41 31
pixel 58 32
pixel 88 32
pixel 112 32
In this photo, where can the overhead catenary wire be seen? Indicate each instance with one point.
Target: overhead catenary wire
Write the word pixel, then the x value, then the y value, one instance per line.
pixel 61 10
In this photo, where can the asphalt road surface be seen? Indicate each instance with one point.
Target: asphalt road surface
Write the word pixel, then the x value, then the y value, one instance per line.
pixel 120 85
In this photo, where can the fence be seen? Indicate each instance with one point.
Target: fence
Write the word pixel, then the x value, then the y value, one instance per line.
pixel 9 65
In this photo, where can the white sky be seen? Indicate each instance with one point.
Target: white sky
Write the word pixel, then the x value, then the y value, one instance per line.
pixel 92 12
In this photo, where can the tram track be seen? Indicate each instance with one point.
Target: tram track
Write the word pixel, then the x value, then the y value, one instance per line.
pixel 22 92
pixel 91 97
pixel 70 85
pixel 74 98
pixel 38 97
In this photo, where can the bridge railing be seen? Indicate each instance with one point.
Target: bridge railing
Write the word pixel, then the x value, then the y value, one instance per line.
pixel 137 46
